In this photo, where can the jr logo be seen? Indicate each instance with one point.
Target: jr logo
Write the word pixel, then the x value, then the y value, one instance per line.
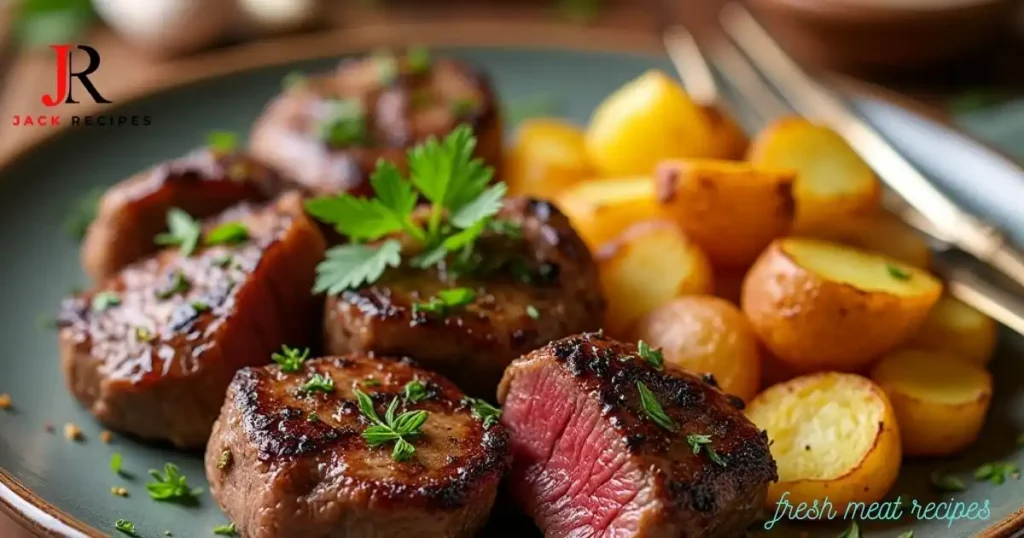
pixel 65 74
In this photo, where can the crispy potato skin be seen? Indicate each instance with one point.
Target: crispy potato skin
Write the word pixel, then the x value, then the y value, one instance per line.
pixel 954 327
pixel 732 210
pixel 601 209
pixel 703 334
pixel 812 323
pixel 546 156
pixel 876 467
pixel 647 266
pixel 940 401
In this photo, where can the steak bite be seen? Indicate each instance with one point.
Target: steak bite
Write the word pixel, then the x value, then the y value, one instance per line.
pixel 592 456
pixel 286 461
pixel 202 183
pixel 329 130
pixel 151 350
pixel 526 289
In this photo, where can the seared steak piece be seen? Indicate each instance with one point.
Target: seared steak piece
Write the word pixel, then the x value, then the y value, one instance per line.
pixel 202 183
pixel 328 131
pixel 528 291
pixel 152 350
pixel 589 459
pixel 283 462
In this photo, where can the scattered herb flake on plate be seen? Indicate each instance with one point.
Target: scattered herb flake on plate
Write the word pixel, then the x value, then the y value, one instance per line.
pixel 171 486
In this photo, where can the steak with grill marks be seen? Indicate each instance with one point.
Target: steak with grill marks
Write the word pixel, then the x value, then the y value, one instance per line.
pixel 589 461
pixel 151 350
pixel 287 464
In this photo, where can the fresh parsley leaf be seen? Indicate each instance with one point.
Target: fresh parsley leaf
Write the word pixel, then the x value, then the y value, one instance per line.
pixel 227 233
pixel 125 526
pixel 984 472
pixel 853 531
pixel 104 300
pixel 947 482
pixel 351 266
pixel 415 391
pixel 39 23
pixel 897 273
pixel 343 124
pixel 370 219
pixel 115 462
pixel 418 58
pixel 172 486
pixel 446 300
pixel 997 473
pixel 484 411
pixel 222 141
pixel 651 355
pixel 698 442
pixel 183 231
pixel 199 306
pixel 76 224
pixel 484 206
pixel 400 429
pixel 447 174
pixel 177 283
pixel 290 359
pixel 225 530
pixel 649 403
pixel 508 228
pixel 318 381
pixel 532 311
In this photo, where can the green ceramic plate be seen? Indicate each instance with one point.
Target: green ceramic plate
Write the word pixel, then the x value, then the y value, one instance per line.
pixel 65 486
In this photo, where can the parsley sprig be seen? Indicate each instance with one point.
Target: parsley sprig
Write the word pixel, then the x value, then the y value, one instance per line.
pixel 290 358
pixel 447 175
pixel 484 411
pixel 445 301
pixel 182 231
pixel 415 391
pixel 318 382
pixel 171 486
pixel 401 429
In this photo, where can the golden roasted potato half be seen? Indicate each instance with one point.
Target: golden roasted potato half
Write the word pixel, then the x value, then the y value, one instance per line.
pixel 940 400
pixel 823 306
pixel 601 209
pixel 832 435
pixel 833 182
pixel 880 232
pixel 649 119
pixel 650 264
pixel 728 139
pixel 704 334
pixel 731 209
pixel 955 328
pixel 546 156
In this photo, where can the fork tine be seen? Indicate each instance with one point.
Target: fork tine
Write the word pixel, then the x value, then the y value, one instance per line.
pixel 692 66
pixel 745 80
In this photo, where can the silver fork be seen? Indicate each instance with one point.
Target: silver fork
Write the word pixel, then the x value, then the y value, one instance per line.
pixel 963 278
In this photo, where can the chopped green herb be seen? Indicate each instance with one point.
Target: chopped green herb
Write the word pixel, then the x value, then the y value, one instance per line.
pixel 183 231
pixel 400 429
pixel 446 300
pixel 318 381
pixel 897 273
pixel 387 67
pixel 144 335
pixel 418 58
pixel 651 355
pixel 947 482
pixel 649 403
pixel 293 79
pixel 115 462
pixel 223 261
pixel 290 359
pixel 443 172
pixel 532 311
pixel 177 284
pixel 906 534
pixel 40 23
pixel 199 306
pixel 125 526
pixel 222 141
pixel 996 473
pixel 371 382
pixel 227 233
pixel 167 533
pixel 698 442
pixel 415 391
pixel 311 417
pixel 172 486
pixel 508 228
pixel 225 530
pixel 853 531
pixel 463 107
pixel 344 124
pixel 82 214
pixel 484 411
pixel 104 300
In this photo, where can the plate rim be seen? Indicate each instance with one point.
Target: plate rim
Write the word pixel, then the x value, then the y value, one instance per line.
pixel 41 518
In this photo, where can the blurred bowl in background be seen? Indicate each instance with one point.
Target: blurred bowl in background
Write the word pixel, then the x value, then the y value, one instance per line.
pixel 870 36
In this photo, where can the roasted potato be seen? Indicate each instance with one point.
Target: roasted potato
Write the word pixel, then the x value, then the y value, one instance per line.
pixel 703 334
pixel 955 328
pixel 546 156
pixel 823 306
pixel 832 435
pixel 649 119
pixel 601 209
pixel 731 209
pixel 728 139
pixel 880 232
pixel 940 400
pixel 650 264
pixel 832 183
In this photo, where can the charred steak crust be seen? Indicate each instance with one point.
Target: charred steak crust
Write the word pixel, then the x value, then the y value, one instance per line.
pixel 202 183
pixel 547 274
pixel 673 492
pixel 299 465
pixel 400 113
pixel 157 363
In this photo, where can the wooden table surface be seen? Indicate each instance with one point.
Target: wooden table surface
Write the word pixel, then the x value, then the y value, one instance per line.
pixel 126 74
